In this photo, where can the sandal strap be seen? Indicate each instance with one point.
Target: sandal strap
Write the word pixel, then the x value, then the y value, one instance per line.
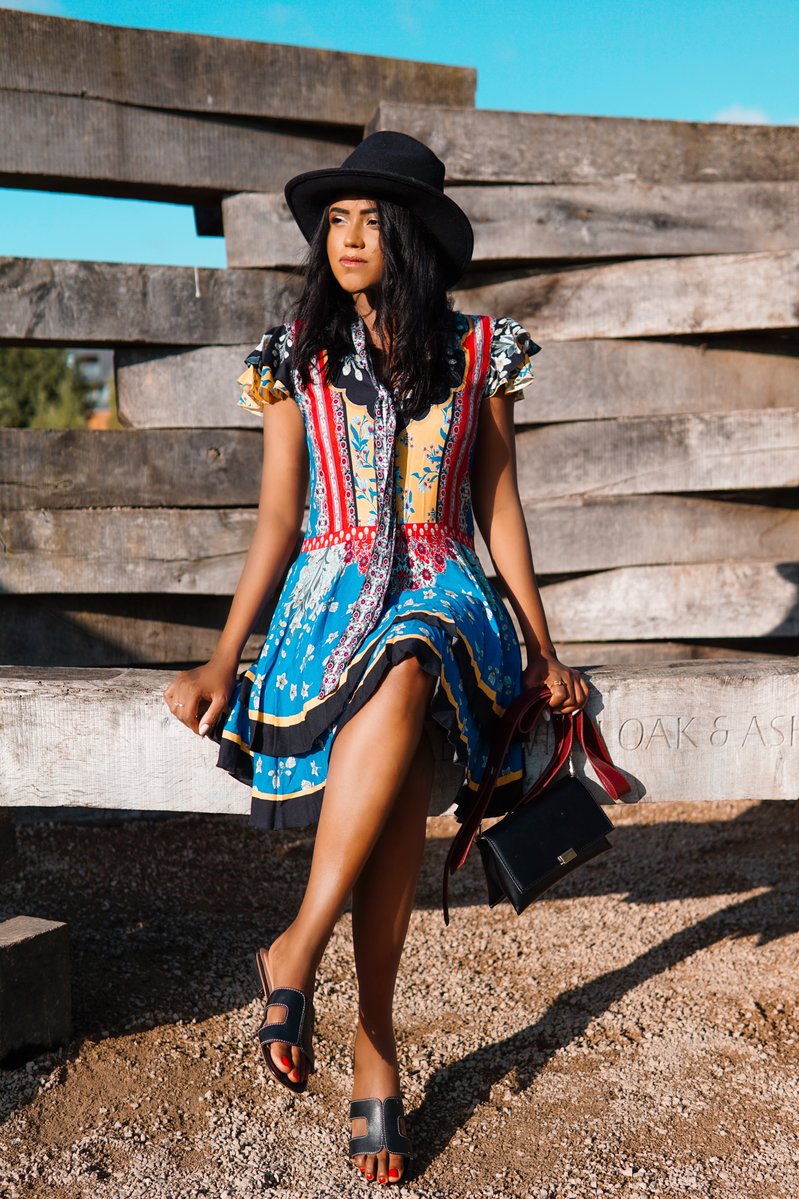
pixel 382 1127
pixel 296 1026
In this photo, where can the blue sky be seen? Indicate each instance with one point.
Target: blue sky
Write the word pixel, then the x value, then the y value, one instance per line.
pixel 694 60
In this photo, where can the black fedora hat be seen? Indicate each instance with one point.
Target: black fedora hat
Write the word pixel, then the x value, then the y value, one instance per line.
pixel 389 166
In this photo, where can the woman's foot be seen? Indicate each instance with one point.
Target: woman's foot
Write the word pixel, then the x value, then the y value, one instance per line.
pixel 376 1076
pixel 285 968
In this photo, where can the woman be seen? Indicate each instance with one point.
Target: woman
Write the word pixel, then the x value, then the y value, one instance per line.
pixel 393 407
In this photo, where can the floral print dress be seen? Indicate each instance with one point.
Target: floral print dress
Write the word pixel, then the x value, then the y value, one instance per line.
pixel 386 569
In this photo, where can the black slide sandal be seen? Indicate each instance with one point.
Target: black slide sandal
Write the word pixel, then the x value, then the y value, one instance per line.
pixel 383 1129
pixel 296 1028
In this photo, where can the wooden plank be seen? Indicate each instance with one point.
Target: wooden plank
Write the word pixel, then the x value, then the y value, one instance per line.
pixel 715 600
pixel 492 146
pixel 174 389
pixel 66 143
pixel 586 533
pixel 153 468
pixel 589 380
pixel 646 653
pixel 114 303
pixel 574 380
pixel 80 630
pixel 156 69
pixel 648 297
pixel 639 455
pixel 551 221
pixel 190 551
pixel 681 731
pixel 111 303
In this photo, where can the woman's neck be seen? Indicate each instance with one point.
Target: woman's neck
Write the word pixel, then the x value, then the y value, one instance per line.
pixel 365 308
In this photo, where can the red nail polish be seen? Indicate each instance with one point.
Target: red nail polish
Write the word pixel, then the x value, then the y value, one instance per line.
pixel 370 1176
pixel 381 1180
pixel 393 1173
pixel 285 1061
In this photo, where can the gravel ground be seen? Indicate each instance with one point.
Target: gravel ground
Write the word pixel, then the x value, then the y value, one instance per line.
pixel 635 1033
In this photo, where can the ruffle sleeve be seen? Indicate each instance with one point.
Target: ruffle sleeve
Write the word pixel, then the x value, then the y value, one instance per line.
pixel 510 363
pixel 268 374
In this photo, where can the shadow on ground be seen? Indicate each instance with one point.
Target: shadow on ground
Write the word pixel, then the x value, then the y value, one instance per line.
pixel 164 916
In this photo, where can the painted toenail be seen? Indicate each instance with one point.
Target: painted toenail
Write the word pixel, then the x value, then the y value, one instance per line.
pixel 370 1176
pixel 285 1061
pixel 393 1173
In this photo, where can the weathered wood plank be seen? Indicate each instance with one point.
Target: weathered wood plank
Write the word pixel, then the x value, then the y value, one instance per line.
pixel 201 551
pixel 574 380
pixel 112 303
pixel 682 731
pixel 646 653
pixel 173 389
pixel 188 468
pixel 587 380
pixel 157 764
pixel 542 221
pixel 161 630
pixel 64 143
pixel 649 297
pixel 586 533
pixel 102 303
pixel 191 72
pixel 639 455
pixel 716 600
pixel 109 630
pixel 83 468
pixel 492 146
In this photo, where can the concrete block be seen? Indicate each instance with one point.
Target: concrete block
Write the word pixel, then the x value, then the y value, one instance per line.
pixel 35 995
pixel 8 845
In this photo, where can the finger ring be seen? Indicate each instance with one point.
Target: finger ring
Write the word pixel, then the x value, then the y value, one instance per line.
pixel 178 705
pixel 559 683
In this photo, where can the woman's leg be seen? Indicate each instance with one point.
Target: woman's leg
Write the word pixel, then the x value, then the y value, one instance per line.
pixel 369 761
pixel 381 910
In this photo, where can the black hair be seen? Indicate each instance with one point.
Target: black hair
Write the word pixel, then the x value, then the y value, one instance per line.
pixel 413 312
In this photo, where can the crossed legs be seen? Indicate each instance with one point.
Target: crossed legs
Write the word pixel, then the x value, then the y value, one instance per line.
pixel 369 843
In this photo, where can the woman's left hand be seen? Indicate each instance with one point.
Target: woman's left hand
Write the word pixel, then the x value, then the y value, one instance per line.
pixel 568 686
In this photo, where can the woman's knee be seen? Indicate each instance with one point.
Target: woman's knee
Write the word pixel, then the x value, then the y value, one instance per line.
pixel 409 675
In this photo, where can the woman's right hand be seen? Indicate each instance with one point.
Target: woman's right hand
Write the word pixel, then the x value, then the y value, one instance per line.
pixel 201 692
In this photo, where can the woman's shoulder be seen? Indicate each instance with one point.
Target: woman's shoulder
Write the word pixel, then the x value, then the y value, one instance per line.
pixel 268 369
pixel 505 331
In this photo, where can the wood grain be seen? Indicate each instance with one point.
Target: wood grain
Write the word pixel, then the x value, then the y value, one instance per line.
pixel 195 551
pixel 189 72
pixel 493 146
pixel 648 297
pixel 713 600
pixel 574 380
pixel 101 303
pixel 526 223
pixel 699 731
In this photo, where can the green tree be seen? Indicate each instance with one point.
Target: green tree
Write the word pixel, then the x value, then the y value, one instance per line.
pixel 39 389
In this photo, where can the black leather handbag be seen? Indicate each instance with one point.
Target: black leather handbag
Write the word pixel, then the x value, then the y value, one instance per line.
pixel 555 827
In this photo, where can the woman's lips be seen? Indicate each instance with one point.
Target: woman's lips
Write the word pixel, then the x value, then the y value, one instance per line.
pixel 352 261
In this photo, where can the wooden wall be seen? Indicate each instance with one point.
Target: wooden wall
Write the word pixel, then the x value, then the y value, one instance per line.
pixel 656 262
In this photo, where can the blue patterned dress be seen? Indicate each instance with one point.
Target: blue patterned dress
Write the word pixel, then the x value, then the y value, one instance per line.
pixel 387 568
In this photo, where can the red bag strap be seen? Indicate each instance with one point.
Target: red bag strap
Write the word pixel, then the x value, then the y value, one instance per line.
pixel 522 715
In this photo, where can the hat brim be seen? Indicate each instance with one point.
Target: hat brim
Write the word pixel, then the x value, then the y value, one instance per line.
pixel 308 194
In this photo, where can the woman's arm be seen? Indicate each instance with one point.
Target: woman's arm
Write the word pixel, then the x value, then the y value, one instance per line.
pixel 500 518
pixel 284 484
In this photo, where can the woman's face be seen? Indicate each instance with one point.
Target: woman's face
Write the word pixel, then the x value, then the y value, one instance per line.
pixel 353 244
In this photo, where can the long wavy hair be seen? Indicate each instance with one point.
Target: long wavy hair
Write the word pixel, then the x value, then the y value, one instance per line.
pixel 413 312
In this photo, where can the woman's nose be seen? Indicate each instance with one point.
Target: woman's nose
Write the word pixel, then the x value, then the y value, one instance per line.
pixel 353 236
